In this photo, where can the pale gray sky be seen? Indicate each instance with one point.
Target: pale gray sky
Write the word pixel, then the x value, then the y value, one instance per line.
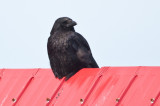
pixel 120 32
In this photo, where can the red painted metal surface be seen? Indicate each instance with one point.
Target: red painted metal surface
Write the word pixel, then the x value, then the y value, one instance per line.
pixel 113 86
pixel 13 84
pixel 145 88
pixel 107 86
pixel 77 88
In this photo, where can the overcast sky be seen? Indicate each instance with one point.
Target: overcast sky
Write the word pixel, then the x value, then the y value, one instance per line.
pixel 119 32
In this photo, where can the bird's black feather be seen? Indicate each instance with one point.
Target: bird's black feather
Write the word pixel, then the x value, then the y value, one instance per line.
pixel 68 51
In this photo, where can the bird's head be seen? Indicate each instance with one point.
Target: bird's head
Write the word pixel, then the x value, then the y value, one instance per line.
pixel 66 22
pixel 63 23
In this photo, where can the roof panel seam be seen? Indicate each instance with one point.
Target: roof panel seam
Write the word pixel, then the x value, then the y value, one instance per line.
pixel 92 88
pixel 26 86
pixel 156 98
pixel 126 90
pixel 54 94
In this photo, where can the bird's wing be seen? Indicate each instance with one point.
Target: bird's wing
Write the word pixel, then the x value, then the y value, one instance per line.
pixel 82 49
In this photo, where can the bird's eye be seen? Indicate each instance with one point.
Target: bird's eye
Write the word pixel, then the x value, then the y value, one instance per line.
pixel 65 22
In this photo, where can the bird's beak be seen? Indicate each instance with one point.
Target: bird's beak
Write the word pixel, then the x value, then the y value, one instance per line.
pixel 74 23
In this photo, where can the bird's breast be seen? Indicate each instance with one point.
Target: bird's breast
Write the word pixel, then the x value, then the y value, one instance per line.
pixel 61 42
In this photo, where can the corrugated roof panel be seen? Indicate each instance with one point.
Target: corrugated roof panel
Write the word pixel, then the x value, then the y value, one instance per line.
pixel 13 83
pixel 113 86
pixel 40 90
pixel 76 90
pixel 144 88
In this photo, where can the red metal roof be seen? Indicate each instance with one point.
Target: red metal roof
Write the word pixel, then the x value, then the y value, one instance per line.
pixel 107 86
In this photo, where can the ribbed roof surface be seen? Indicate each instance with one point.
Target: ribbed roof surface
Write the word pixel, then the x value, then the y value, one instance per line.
pixel 107 86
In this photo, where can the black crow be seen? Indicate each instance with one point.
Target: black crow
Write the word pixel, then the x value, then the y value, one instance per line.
pixel 68 51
